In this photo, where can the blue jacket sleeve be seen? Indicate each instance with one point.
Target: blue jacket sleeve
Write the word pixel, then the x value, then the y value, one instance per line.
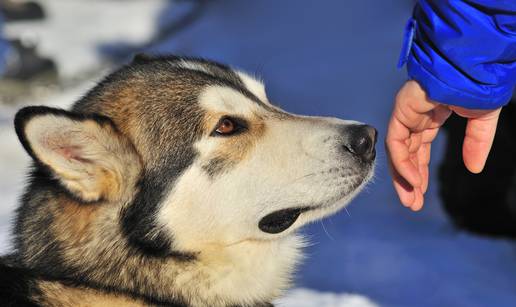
pixel 463 52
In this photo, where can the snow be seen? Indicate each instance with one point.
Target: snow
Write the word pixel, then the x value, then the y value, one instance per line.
pixel 335 58
pixel 311 298
pixel 14 161
pixel 75 30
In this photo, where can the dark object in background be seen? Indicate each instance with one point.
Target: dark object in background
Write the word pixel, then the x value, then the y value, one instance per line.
pixel 27 74
pixel 483 203
pixel 177 16
pixel 16 10
pixel 24 63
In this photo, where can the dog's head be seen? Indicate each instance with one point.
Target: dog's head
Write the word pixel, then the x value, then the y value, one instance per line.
pixel 194 153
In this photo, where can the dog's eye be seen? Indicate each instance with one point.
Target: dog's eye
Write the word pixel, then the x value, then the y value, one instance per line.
pixel 228 126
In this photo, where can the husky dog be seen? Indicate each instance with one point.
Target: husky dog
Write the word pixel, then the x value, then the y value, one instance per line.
pixel 174 182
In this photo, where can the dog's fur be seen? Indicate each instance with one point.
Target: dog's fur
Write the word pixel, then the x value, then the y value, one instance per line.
pixel 136 199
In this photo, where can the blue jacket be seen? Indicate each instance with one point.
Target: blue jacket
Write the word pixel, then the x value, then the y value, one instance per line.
pixel 463 52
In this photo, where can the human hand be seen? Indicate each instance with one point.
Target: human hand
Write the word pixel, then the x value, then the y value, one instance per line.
pixel 414 124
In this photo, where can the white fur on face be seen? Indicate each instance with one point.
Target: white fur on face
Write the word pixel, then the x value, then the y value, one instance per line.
pixel 224 100
pixel 254 86
pixel 292 162
pixel 296 162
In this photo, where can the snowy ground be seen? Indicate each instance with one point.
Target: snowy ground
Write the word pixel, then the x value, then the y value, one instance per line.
pixel 376 249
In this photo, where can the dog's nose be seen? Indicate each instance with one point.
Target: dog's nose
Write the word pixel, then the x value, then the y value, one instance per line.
pixel 361 140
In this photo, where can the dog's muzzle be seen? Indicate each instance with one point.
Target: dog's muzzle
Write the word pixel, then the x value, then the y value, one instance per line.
pixel 360 141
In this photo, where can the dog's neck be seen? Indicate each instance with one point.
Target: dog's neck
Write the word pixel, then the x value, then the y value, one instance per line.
pixel 250 271
pixel 85 247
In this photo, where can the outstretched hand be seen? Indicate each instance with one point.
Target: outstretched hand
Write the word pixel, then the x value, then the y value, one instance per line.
pixel 414 124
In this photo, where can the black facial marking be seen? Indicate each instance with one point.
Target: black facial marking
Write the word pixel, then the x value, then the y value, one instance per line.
pixel 139 219
pixel 169 123
pixel 139 222
pixel 280 220
pixel 224 72
pixel 216 166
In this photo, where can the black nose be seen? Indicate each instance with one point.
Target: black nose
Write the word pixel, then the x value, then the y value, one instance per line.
pixel 360 141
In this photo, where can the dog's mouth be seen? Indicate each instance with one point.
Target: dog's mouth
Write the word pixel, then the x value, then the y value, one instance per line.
pixel 281 220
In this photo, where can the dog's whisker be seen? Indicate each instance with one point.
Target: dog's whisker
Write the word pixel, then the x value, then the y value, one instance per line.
pixel 326 231
pixel 346 209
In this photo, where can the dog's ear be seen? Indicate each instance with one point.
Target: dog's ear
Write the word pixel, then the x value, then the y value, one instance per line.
pixel 86 153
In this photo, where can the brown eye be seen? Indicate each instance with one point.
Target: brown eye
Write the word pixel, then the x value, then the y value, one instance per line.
pixel 228 126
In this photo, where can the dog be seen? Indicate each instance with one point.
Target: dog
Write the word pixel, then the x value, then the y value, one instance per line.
pixel 174 182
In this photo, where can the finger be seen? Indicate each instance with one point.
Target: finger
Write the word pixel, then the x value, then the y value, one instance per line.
pixel 478 140
pixel 418 194
pixel 429 135
pixel 412 92
pixel 410 197
pixel 423 169
pixel 418 200
pixel 404 190
pixel 424 161
pixel 415 142
pixel 398 153
pixel 439 115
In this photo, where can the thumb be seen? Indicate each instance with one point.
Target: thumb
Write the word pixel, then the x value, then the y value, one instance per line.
pixel 478 140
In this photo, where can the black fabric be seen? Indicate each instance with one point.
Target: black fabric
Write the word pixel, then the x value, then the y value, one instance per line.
pixel 484 203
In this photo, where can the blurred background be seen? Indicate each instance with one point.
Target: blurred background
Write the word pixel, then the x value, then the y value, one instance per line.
pixel 331 58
